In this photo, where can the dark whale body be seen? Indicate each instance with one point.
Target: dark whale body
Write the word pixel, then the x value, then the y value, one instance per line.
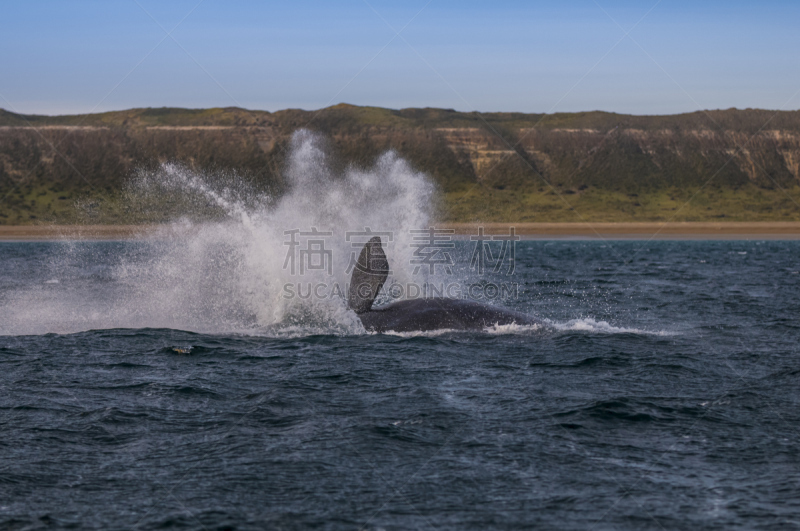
pixel 369 275
pixel 436 314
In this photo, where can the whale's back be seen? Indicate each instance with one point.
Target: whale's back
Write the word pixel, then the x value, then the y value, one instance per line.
pixel 440 314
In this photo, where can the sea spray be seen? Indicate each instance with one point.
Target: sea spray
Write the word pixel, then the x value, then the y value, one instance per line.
pixel 222 261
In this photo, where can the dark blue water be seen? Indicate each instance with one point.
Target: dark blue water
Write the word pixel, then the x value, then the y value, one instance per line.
pixel 662 393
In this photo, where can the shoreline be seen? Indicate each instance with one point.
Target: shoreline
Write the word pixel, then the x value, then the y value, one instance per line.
pixel 731 230
pixel 656 230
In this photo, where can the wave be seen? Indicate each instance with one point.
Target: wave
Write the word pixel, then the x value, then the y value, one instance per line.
pixel 587 325
pixel 593 326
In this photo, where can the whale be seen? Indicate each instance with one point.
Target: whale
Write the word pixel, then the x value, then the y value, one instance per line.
pixel 437 313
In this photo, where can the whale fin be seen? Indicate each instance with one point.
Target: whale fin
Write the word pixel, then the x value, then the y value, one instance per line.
pixel 369 274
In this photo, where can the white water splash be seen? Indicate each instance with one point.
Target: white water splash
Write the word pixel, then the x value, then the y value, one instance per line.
pixel 419 333
pixel 229 274
pixel 513 328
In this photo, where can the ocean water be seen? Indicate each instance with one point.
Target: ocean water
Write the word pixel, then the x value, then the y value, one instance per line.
pixel 660 392
pixel 189 380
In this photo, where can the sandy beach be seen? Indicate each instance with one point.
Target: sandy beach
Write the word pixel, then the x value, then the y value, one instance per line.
pixel 72 232
pixel 731 230
pixel 643 231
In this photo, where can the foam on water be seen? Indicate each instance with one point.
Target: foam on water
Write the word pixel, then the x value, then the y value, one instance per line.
pixel 587 325
pixel 512 328
pixel 496 329
pixel 601 327
pixel 420 333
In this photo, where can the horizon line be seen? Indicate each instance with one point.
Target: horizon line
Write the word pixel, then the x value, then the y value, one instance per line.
pixel 344 104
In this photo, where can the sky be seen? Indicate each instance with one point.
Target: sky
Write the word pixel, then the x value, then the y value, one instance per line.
pixel 638 57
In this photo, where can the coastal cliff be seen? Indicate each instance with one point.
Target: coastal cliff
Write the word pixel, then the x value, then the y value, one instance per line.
pixel 595 166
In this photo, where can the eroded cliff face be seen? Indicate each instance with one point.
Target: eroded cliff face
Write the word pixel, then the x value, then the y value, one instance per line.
pixel 635 157
pixel 44 157
pixel 484 150
pixel 570 157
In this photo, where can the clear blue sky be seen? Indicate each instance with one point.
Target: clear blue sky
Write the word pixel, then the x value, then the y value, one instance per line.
pixel 70 56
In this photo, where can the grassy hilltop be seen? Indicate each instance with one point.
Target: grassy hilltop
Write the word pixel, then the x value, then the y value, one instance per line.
pixel 741 165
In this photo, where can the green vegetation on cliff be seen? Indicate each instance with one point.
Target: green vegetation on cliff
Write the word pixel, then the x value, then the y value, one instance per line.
pixel 740 165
